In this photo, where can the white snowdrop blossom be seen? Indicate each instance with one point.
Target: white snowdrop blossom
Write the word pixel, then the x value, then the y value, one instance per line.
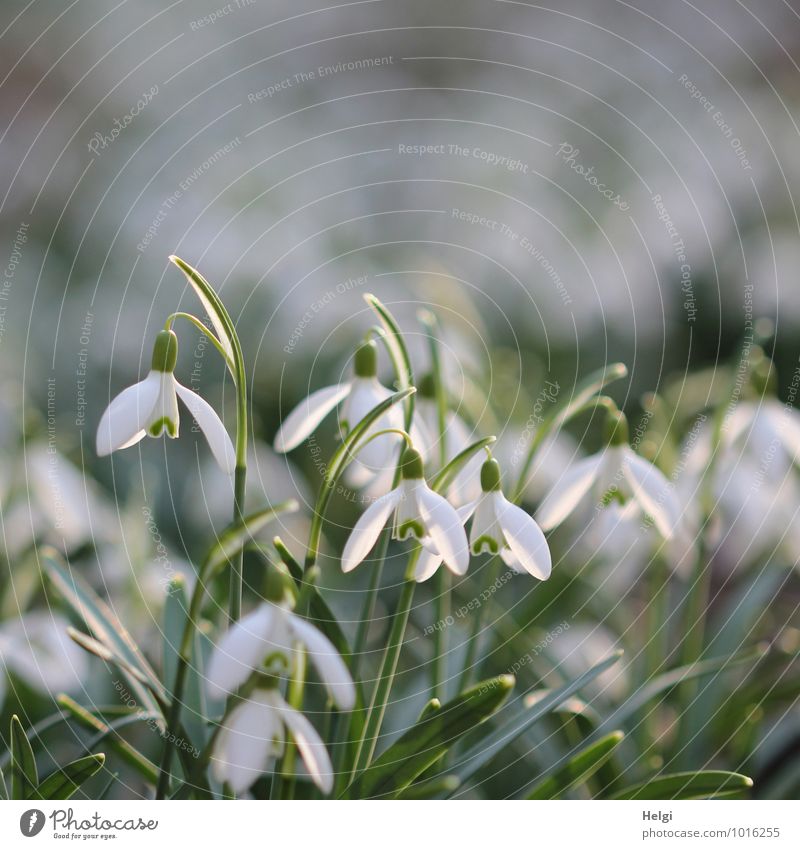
pixel 419 512
pixel 360 395
pixel 457 436
pixel 768 432
pixel 150 408
pixel 501 528
pixel 614 474
pixel 273 629
pixel 255 733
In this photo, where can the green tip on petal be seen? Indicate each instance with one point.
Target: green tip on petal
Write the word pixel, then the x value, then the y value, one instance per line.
pixel 490 475
pixel 411 465
pixel 366 360
pixel 165 351
pixel 274 589
pixel 616 428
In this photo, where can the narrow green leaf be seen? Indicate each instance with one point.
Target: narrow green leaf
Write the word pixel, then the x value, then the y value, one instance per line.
pixel 578 769
pixel 24 777
pixel 485 749
pixel 231 541
pixel 688 785
pixel 3 786
pixel 442 480
pixel 122 747
pixel 398 352
pixel 176 612
pixel 659 685
pixel 424 743
pixel 104 625
pixel 106 654
pixel 63 783
pixel 215 309
pixel 431 789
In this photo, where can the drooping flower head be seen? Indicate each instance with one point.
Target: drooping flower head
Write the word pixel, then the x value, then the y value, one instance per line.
pixel 150 408
pixel 360 395
pixel 499 528
pixel 419 512
pixel 615 475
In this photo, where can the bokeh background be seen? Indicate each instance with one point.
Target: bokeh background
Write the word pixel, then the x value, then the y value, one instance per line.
pixel 438 154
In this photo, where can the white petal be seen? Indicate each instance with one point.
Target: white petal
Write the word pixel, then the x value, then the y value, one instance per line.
pixel 245 744
pixel 484 523
pixel 568 491
pixel 328 661
pixel 240 651
pixel 368 528
pixel 524 538
pixel 445 528
pixel 367 393
pixel 427 565
pixel 307 415
pixel 127 414
pixel 213 429
pixel 309 744
pixel 654 493
pixel 165 413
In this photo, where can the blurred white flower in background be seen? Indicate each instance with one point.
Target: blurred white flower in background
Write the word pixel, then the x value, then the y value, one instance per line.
pixel 35 647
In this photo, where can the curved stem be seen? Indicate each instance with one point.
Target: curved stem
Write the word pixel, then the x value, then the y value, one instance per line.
pixel 193 319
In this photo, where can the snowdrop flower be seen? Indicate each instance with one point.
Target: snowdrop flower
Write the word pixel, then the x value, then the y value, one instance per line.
pixel 499 527
pixel 360 395
pixel 615 474
pixel 457 436
pixel 419 512
pixel 272 629
pixel 150 408
pixel 254 734
pixel 769 432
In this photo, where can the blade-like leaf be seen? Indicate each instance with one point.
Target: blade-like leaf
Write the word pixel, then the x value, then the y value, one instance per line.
pixel 102 651
pixel 231 541
pixel 659 685
pixel 439 786
pixel 176 611
pixel 485 749
pixel 578 769
pixel 688 785
pixel 396 346
pixel 63 783
pixel 215 309
pixel 104 625
pixel 124 749
pixel 24 777
pixel 424 743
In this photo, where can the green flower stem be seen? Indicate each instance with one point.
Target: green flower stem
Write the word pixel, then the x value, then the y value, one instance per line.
pixel 471 655
pixel 176 703
pixel 370 600
pixel 385 680
pixel 286 772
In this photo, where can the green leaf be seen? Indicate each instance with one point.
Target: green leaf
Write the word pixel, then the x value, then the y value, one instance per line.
pixel 104 625
pixel 24 777
pixel 398 352
pixel 485 749
pixel 231 541
pixel 106 654
pixel 424 743
pixel 688 785
pixel 442 480
pixel 659 685
pixel 65 781
pixel 122 747
pixel 176 612
pixel 578 769
pixel 3 786
pixel 215 309
pixel 431 789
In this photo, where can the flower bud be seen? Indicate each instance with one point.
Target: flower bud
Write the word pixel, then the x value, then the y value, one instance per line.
pixel 490 475
pixel 411 465
pixel 616 428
